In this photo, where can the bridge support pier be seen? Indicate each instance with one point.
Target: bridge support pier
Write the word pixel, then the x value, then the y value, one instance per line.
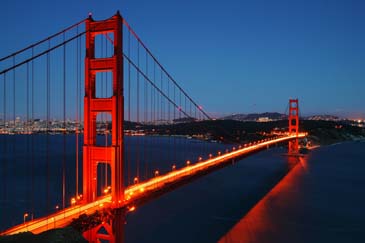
pixel 111 231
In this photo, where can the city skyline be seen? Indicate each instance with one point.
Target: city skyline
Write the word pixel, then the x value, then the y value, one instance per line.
pixel 232 57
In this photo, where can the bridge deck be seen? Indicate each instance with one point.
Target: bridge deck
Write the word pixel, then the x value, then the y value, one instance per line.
pixel 134 192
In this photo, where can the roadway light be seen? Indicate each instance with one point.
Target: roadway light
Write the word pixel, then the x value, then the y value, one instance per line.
pixel 73 201
pixel 219 152
pixel 135 180
pixel 25 216
pixel 173 167
pixel 210 155
pixel 156 173
pixel 57 207
pixel 131 209
pixel 188 162
pixel 200 158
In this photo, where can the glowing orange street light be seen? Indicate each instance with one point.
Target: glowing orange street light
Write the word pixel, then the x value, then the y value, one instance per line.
pixel 210 155
pixel 173 167
pixel 25 216
pixel 219 152
pixel 131 209
pixel 73 201
pixel 156 173
pixel 188 162
pixel 135 180
pixel 57 207
pixel 200 158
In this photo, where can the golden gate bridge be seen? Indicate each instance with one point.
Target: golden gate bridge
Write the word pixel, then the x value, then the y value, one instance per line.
pixel 103 75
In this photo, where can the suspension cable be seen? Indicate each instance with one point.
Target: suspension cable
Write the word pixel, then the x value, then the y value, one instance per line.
pixel 162 68
pixel 42 41
pixel 154 85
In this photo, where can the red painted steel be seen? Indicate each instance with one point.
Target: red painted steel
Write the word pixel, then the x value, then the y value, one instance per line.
pixel 92 154
pixel 101 232
pixel 112 155
pixel 293 124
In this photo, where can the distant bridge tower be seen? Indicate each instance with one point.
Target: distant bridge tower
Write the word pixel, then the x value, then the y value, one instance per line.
pixel 293 125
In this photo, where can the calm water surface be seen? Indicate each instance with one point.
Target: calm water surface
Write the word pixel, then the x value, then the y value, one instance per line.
pixel 321 199
pixel 266 197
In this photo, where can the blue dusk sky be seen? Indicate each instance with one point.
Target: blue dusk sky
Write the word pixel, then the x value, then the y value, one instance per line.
pixel 232 56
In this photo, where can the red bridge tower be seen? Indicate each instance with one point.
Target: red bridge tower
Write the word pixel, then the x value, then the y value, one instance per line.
pixel 293 125
pixel 92 154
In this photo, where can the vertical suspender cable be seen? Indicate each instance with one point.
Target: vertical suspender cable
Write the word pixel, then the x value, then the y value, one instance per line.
pixel 64 128
pixel 145 120
pixel 13 140
pixel 175 125
pixel 32 137
pixel 47 129
pixel 5 154
pixel 138 145
pixel 168 120
pixel 129 111
pixel 27 140
pixel 77 113
pixel 154 102
pixel 161 117
pixel 162 100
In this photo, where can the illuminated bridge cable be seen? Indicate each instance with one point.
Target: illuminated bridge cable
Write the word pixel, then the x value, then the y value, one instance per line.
pixel 64 129
pixel 32 137
pixel 77 114
pixel 42 41
pixel 145 120
pixel 29 169
pixel 14 140
pixel 138 139
pixel 41 54
pixel 4 155
pixel 162 68
pixel 48 77
pixel 154 86
pixel 129 113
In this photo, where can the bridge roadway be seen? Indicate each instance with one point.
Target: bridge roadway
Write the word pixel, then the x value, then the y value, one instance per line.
pixel 64 217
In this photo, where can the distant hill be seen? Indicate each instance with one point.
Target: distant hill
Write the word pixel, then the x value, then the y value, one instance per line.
pixel 266 116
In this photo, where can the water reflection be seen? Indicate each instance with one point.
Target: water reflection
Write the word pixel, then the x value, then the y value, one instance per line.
pixel 260 225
